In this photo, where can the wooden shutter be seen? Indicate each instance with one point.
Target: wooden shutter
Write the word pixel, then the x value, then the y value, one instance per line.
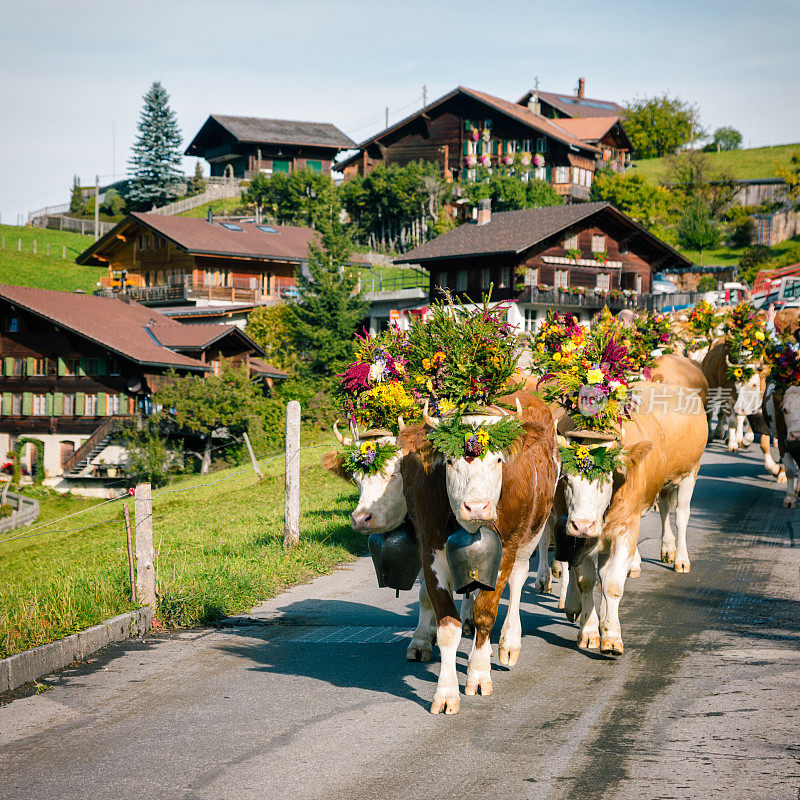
pixel 9 366
pixel 101 404
pixel 62 366
pixel 58 403
pixel 123 404
pixel 80 403
pixel 102 366
pixel 48 405
pixel 27 403
pixel 30 365
pixel 81 366
pixel 8 403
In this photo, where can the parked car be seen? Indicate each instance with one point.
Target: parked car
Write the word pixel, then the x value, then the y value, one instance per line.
pixel 662 285
pixel 290 293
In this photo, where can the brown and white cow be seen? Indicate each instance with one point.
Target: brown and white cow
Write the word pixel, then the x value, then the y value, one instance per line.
pixel 662 449
pixel 511 491
pixel 781 411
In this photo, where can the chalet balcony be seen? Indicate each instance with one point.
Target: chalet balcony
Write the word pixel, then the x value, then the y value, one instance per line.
pixel 573 299
pixel 573 190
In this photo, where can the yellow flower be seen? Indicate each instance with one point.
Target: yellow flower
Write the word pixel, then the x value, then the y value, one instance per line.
pixel 556 356
pixel 446 406
pixel 366 447
pixel 401 370
pixel 582 452
pixel 495 362
pixel 594 376
pixel 737 373
pixel 482 436
pixel 620 392
pixel 426 364
pixel 760 336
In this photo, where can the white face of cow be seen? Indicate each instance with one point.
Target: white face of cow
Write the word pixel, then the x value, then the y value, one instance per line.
pixel 748 396
pixel 381 503
pixel 791 413
pixel 474 484
pixel 587 502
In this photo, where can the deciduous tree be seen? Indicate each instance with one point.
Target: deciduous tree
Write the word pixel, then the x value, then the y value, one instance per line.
pixel 697 229
pixel 658 126
pixel 650 205
pixel 271 327
pixel 724 138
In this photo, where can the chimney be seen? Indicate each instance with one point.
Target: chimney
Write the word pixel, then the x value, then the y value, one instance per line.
pixel 210 216
pixel 533 104
pixel 484 211
pixel 581 87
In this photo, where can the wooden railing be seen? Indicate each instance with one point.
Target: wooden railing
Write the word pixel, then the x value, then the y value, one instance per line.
pixel 106 427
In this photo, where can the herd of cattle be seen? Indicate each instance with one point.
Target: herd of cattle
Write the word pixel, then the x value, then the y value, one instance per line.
pixel 521 494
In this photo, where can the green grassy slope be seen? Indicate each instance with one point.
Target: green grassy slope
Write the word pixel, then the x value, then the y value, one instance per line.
pixel 40 270
pixel 219 551
pixel 758 162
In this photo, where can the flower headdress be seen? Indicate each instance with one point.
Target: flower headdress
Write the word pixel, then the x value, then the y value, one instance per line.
pixel 455 438
pixel 745 332
pixel 785 370
pixel 369 457
pixel 593 463
pixel 556 344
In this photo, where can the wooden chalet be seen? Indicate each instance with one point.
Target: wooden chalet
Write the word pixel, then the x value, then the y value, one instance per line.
pixel 240 147
pixel 569 106
pixel 184 259
pixel 466 127
pixel 571 257
pixel 74 366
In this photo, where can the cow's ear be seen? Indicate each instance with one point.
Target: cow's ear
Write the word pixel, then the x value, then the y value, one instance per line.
pixel 633 457
pixel 333 462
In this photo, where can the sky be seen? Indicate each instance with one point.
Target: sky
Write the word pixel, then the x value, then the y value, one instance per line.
pixel 72 75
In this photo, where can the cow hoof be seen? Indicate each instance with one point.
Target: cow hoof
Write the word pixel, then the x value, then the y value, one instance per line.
pixel 634 572
pixel 682 565
pixel 508 656
pixel 481 686
pixel 467 627
pixel 556 569
pixel 732 449
pixel 780 477
pixel 562 604
pixel 667 557
pixel 446 701
pixel 589 641
pixel 419 652
pixel 789 502
pixel 611 647
pixel 571 615
pixel 544 586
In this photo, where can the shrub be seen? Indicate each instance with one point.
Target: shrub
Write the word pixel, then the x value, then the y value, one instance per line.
pixel 743 233
pixel 6 510
pixel 707 283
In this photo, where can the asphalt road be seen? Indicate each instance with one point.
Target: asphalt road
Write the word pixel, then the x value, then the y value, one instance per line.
pixel 310 695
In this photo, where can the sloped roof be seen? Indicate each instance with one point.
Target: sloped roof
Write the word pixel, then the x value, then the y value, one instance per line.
pixel 279 131
pixel 590 129
pixel 200 336
pixel 126 328
pixel 574 106
pixel 521 114
pixel 260 367
pixel 199 237
pixel 512 232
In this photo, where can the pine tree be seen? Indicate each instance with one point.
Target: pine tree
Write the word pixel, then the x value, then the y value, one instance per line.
pixel 156 160
pixel 197 184
pixel 696 228
pixel 76 198
pixel 328 312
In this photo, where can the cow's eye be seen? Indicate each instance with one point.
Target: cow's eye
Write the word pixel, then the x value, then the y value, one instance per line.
pixel 449 462
pixel 500 459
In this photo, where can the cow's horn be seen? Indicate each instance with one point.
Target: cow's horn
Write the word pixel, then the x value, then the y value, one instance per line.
pixel 519 408
pixel 429 420
pixel 728 362
pixel 342 439
pixel 401 423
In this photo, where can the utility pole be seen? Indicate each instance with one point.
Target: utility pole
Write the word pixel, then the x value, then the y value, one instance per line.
pixel 387 117
pixel 96 207
pixel 424 95
pixel 113 150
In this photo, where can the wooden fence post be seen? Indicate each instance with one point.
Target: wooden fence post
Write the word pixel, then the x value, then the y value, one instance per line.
pixel 145 554
pixel 48 249
pixel 34 246
pixel 130 552
pixel 19 245
pixel 291 514
pixel 63 251
pixel 256 468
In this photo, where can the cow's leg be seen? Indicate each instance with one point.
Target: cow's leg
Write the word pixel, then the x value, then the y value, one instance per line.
pixel 479 667
pixel 666 503
pixel 557 568
pixel 563 568
pixel 585 577
pixel 682 510
pixel 636 565
pixel 770 464
pixel 748 437
pixel 613 570
pixel 733 439
pixel 421 646
pixel 544 577
pixel 467 620
pixel 572 599
pixel 511 632
pixel 790 499
pixel 439 584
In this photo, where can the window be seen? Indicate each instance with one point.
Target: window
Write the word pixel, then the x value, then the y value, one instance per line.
pixel 443 280
pixel 69 405
pixel 530 319
pixel 314 166
pixel 70 366
pixel 95 366
pixel 576 176
pixel 13 325
pixel 40 366
pixel 540 173
pixel 571 241
pixel 461 280
pixel 39 405
pixel 562 174
pixel 16 405
pixel 532 276
pixel 505 278
pixel 230 226
pixel 526 145
pixel 266 228
pixel 638 284
pixel 561 279
pixel 486 279
pixel 19 366
pixel 603 281
pixel 280 165
pixel 112 405
pixel 113 366
pixel 598 243
pixel 589 176
pixel 90 405
pixel 541 145
pixel 215 367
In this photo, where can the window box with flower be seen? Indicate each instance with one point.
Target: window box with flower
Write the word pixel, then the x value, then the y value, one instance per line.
pixel 574 253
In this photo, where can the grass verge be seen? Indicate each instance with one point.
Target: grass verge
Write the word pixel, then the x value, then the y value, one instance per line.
pixel 219 551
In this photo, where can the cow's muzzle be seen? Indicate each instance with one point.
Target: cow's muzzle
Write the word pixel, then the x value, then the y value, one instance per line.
pixel 477 510
pixel 584 528
pixel 362 521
